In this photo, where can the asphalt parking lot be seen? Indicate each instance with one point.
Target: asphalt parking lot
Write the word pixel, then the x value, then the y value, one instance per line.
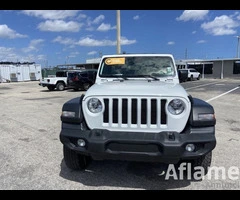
pixel 31 155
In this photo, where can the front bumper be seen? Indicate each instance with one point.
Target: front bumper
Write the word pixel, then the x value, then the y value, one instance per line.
pixel 45 84
pixel 166 147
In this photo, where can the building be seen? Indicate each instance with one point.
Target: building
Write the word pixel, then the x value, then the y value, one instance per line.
pixel 213 68
pixel 15 72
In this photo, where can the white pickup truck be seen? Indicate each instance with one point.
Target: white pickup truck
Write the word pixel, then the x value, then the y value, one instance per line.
pixel 59 81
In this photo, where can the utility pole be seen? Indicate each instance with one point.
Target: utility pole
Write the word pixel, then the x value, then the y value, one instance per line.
pixel 118 33
pixel 186 53
pixel 238 37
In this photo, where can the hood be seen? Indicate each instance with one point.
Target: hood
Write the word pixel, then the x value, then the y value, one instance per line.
pixel 136 88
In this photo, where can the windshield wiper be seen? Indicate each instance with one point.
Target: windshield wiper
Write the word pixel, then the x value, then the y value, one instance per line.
pixel 149 76
pixel 119 76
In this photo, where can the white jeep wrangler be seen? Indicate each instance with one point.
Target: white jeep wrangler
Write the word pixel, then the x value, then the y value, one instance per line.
pixel 58 81
pixel 137 111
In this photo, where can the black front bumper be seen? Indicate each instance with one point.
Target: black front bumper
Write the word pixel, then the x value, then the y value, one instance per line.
pixel 45 84
pixel 166 147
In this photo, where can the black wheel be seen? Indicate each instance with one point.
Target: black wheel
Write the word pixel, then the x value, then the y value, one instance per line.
pixel 51 87
pixel 196 168
pixel 191 78
pixel 60 86
pixel 204 162
pixel 86 86
pixel 198 78
pixel 75 161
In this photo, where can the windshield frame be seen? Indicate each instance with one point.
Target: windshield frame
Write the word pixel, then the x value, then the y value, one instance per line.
pixel 135 66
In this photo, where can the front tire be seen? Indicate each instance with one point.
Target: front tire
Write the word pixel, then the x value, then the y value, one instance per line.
pixel 191 78
pixel 74 160
pixel 60 86
pixel 204 162
pixel 86 86
pixel 197 168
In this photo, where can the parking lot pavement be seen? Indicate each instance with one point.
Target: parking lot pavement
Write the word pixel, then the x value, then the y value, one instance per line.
pixel 31 154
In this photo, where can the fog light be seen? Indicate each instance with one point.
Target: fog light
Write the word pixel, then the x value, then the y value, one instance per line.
pixel 190 147
pixel 81 142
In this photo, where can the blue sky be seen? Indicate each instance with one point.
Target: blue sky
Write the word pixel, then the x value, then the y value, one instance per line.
pixel 52 37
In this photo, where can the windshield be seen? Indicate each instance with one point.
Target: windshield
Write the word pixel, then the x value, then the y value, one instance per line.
pixel 137 66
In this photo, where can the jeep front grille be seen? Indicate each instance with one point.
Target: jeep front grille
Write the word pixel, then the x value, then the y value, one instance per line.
pixel 135 112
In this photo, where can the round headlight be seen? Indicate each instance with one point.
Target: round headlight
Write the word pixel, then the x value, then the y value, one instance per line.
pixel 94 105
pixel 176 106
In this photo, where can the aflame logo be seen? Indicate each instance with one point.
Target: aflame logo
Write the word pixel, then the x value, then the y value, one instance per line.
pixel 186 170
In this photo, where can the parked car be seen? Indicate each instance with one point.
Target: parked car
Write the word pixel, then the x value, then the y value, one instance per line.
pixel 193 74
pixel 82 79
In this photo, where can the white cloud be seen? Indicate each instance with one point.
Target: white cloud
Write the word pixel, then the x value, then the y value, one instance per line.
pixel 201 41
pixel 92 42
pixel 194 32
pixel 136 17
pixel 105 27
pixel 51 14
pixel 92 53
pixel 171 43
pixel 59 26
pixel 41 57
pixel 98 19
pixel 7 54
pixel 81 16
pixel 33 46
pixel 6 32
pixel 10 55
pixel 89 22
pixel 195 15
pixel 73 54
pixel 90 28
pixel 125 41
pixel 65 41
pixel 223 25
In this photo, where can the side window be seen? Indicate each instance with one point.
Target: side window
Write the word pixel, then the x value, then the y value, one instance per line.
pixel 61 74
pixel 84 74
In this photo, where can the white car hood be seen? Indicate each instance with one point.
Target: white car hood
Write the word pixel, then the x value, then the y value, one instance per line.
pixel 137 88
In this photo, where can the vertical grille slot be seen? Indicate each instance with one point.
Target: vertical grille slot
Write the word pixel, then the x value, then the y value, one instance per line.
pixel 115 111
pixel 134 111
pixel 153 111
pixel 144 111
pixel 163 112
pixel 124 111
pixel 106 111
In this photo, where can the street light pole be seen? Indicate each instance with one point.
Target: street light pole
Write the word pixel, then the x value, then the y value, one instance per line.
pixel 238 37
pixel 118 33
